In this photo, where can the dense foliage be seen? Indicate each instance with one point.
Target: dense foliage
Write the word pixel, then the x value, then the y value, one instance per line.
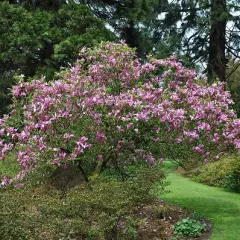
pixel 109 110
pixel 35 42
pixel 104 211
pixel 189 227
pixel 224 173
pixel 39 37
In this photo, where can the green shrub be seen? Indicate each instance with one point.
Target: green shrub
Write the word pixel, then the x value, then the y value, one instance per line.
pixel 9 167
pixel 232 180
pixel 81 212
pixel 189 228
pixel 222 173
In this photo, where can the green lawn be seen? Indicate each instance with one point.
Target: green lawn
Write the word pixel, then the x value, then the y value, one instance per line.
pixel 222 208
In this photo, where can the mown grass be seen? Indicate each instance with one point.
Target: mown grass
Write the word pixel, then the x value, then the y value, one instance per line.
pixel 219 206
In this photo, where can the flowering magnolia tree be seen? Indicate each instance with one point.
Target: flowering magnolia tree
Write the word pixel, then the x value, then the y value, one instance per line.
pixel 109 110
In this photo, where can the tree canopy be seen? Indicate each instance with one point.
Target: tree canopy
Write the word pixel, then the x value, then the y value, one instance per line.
pixel 39 37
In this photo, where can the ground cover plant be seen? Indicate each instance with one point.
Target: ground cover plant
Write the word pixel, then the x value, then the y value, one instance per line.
pixel 189 228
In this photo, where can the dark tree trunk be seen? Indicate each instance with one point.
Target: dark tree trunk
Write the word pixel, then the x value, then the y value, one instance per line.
pixel 217 59
pixel 133 38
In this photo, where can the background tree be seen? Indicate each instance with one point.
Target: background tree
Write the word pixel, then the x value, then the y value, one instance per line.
pixel 217 43
pixel 35 41
pixel 47 34
pixel 129 19
pixel 43 4
pixel 199 32
pixel 210 34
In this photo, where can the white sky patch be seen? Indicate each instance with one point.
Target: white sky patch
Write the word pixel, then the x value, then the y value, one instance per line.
pixel 109 27
pixel 161 16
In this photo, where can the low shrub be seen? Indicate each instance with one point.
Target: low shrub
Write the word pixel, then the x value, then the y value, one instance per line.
pixel 81 212
pixel 223 173
pixel 232 180
pixel 9 167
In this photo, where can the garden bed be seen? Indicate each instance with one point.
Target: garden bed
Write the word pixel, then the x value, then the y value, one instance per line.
pixel 45 213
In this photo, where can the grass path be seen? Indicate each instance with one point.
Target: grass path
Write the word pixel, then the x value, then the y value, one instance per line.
pixel 222 208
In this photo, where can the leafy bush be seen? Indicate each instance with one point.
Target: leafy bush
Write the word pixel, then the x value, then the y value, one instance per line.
pixel 222 173
pixel 82 212
pixel 232 180
pixel 10 166
pixel 189 228
pixel 111 111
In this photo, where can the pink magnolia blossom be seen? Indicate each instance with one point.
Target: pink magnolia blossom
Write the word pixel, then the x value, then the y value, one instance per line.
pixel 110 97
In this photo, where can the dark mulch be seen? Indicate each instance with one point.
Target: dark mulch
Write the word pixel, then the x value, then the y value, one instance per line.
pixel 158 220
